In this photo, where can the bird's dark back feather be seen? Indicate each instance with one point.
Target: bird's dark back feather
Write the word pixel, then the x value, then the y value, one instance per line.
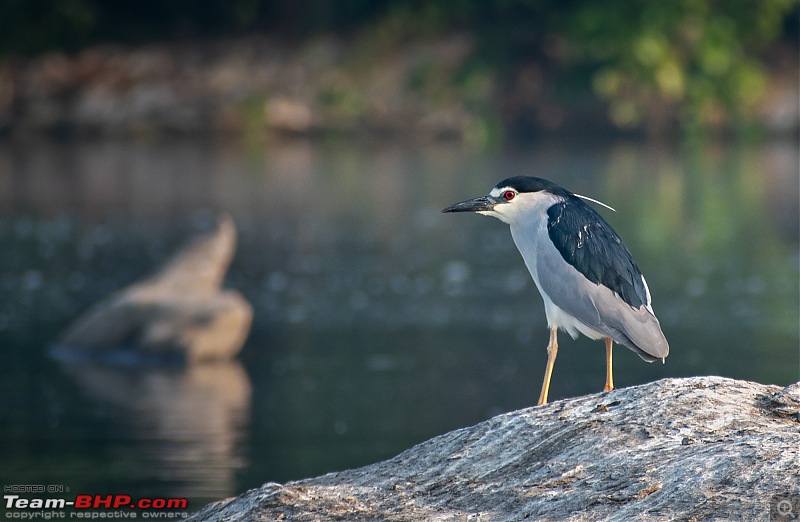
pixel 588 243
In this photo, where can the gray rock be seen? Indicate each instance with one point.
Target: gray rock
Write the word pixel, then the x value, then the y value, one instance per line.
pixel 180 313
pixel 701 448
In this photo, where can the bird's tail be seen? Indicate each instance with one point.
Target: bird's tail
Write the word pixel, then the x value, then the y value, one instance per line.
pixel 644 337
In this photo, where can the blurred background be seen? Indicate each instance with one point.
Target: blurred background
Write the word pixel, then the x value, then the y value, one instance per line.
pixel 334 133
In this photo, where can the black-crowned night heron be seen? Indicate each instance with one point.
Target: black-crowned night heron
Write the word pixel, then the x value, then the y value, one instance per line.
pixel 588 279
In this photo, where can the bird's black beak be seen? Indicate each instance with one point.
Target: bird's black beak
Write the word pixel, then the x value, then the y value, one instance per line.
pixel 481 204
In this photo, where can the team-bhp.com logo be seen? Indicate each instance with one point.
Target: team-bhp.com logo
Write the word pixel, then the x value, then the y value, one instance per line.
pixel 93 506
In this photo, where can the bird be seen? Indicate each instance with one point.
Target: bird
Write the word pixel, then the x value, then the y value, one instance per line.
pixel 586 276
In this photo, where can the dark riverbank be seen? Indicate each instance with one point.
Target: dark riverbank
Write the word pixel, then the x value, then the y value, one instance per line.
pixel 425 90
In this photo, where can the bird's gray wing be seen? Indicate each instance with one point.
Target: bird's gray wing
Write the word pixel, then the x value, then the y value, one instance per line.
pixel 612 297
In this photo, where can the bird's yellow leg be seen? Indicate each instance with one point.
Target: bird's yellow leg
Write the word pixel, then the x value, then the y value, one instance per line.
pixel 609 372
pixel 552 351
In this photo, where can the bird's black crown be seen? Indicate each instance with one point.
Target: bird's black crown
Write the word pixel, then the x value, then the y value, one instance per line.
pixel 531 184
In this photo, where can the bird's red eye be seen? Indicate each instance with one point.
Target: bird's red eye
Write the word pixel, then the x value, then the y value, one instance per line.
pixel 508 195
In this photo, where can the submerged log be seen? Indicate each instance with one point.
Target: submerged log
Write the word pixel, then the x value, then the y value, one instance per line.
pixel 179 314
pixel 676 449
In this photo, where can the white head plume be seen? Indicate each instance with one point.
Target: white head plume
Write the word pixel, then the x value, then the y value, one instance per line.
pixel 587 198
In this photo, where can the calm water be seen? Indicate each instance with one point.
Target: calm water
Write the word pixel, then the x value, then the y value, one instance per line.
pixel 379 322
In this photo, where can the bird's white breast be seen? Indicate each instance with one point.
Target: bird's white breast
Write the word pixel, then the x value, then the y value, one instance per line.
pixel 528 222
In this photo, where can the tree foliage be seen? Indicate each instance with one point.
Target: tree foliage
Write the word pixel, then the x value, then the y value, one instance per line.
pixel 648 59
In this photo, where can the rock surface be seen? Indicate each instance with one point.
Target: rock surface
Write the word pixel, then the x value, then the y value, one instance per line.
pixel 180 313
pixel 701 448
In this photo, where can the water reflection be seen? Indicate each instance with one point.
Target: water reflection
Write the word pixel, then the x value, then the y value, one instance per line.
pixel 190 421
pixel 379 322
